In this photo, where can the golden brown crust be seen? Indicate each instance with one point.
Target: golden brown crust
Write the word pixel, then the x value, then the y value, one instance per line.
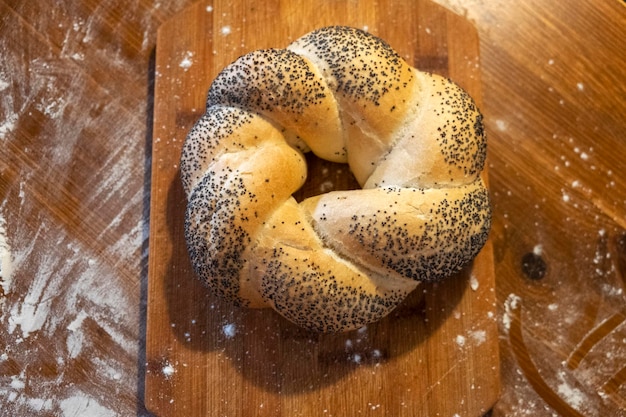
pixel 338 261
pixel 374 87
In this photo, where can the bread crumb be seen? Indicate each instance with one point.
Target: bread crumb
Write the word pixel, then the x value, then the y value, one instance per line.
pixel 474 284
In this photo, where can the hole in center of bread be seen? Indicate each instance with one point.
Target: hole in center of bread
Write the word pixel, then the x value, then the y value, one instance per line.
pixel 325 176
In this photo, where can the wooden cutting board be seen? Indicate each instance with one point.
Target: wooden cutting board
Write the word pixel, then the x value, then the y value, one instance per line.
pixel 436 355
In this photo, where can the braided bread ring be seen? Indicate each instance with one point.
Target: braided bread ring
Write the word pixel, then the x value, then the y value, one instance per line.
pixel 337 261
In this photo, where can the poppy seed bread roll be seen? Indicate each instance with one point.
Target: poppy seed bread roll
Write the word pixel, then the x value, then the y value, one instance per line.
pixel 338 261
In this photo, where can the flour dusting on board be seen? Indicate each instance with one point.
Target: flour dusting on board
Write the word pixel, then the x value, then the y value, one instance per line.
pixel 168 370
pixel 229 330
pixel 187 61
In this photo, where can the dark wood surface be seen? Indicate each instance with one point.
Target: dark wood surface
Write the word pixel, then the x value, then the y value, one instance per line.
pixel 76 110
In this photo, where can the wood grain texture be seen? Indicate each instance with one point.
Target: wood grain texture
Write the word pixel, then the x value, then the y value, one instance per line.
pixel 75 124
pixel 437 354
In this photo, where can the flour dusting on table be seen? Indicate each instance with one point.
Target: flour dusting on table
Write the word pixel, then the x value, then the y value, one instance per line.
pixel 70 266
pixel 6 262
pixel 510 304
pixel 82 405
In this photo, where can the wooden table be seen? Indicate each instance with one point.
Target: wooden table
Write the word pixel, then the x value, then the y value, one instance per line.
pixel 75 133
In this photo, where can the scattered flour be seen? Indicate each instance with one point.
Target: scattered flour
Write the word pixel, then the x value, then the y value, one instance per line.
pixel 17 383
pixel 57 314
pixel 187 61
pixel 373 406
pixel 226 30
pixel 501 125
pixel 76 338
pixel 460 340
pixel 83 405
pixel 53 107
pixel 4 84
pixel 510 304
pixel 326 186
pixel 8 125
pixel 64 297
pixel 478 336
pixel 573 396
pixel 78 321
pixel 10 117
pixel 565 197
pixel 6 262
pixel 168 370
pixel 33 312
pixel 229 330
pixel 39 404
